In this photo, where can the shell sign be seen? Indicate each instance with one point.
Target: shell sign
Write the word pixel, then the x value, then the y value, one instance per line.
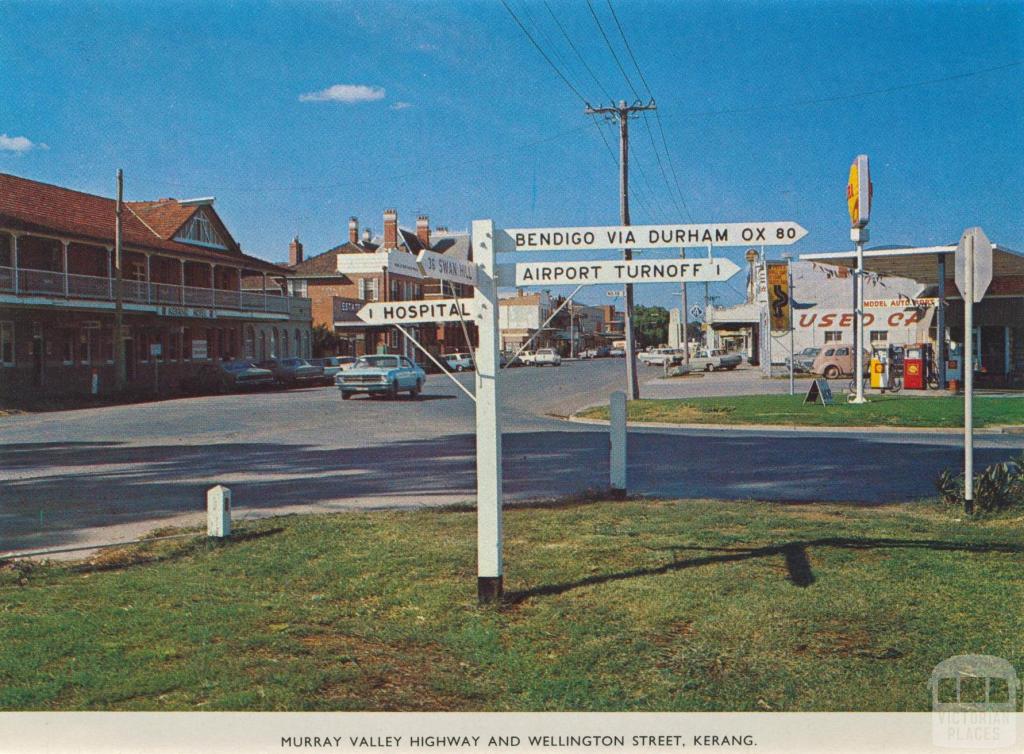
pixel 859 191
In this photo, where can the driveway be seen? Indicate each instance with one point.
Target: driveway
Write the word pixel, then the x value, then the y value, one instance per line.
pixel 83 477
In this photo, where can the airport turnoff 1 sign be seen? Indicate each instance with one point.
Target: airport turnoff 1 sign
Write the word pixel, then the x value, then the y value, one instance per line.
pixel 440 267
pixel 417 312
pixel 651 236
pixel 618 271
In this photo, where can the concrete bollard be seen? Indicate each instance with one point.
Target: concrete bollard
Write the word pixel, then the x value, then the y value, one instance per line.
pixel 617 437
pixel 218 512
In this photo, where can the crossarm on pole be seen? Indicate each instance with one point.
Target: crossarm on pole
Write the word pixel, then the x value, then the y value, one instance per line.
pixel 541 328
pixel 438 363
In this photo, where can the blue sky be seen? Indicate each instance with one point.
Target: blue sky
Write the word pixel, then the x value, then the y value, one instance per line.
pixel 448 109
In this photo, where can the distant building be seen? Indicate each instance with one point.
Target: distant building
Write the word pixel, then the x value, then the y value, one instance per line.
pixel 182 296
pixel 336 296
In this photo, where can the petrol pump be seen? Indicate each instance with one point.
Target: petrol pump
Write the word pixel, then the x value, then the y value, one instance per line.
pixel 955 366
pixel 879 368
pixel 915 362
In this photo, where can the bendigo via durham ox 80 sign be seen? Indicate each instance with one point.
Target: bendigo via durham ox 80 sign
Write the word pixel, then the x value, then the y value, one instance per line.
pixel 654 236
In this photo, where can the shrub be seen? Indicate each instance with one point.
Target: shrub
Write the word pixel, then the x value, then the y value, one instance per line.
pixel 997 488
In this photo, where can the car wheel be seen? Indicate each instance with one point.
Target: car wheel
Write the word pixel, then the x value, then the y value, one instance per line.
pixel 415 392
pixel 459 367
pixel 345 395
pixel 831 372
pixel 709 368
pixel 393 393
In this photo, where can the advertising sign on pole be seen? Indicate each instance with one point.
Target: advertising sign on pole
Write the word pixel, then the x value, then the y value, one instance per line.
pixel 778 296
pixel 859 192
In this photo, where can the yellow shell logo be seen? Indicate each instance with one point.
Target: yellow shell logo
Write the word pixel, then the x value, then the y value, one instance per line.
pixel 853 194
pixel 913 369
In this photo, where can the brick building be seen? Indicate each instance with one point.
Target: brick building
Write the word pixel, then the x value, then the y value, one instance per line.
pixel 181 292
pixel 344 278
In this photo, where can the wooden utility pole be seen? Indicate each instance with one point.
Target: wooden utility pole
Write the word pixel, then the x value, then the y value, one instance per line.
pixel 622 113
pixel 120 372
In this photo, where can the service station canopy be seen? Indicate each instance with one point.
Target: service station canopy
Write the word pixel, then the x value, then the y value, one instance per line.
pixel 648 236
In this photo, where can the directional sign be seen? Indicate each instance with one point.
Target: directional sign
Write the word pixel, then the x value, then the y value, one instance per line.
pixel 618 271
pixel 440 267
pixel 982 262
pixel 394 261
pixel 413 312
pixel 651 236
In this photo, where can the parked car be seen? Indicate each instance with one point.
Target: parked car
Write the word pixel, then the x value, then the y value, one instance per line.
pixel 660 356
pixel 528 358
pixel 713 360
pixel 332 365
pixel 804 360
pixel 547 357
pixel 293 371
pixel 595 353
pixel 836 360
pixel 458 362
pixel 509 360
pixel 381 374
pixel 220 377
pixel 617 352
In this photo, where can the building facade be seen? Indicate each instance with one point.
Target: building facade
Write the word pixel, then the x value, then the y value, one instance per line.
pixel 181 294
pixel 344 278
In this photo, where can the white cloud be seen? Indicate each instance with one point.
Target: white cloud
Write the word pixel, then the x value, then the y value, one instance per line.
pixel 347 93
pixel 18 144
pixel 426 47
pixel 401 105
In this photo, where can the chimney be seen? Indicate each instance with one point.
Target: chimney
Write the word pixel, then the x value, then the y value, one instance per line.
pixel 390 229
pixel 294 252
pixel 353 230
pixel 367 236
pixel 423 230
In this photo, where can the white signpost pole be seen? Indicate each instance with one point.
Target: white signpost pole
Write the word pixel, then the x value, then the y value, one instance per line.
pixel 617 438
pixel 973 277
pixel 488 419
pixel 968 294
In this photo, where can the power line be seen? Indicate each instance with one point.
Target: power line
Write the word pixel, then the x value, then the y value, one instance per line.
pixel 844 97
pixel 544 54
pixel 551 46
pixel 611 49
pixel 578 54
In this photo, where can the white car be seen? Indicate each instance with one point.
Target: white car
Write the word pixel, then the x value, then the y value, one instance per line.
pixel 528 358
pixel 660 356
pixel 547 357
pixel 459 362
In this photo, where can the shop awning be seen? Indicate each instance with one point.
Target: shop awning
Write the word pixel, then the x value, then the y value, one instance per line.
pixel 919 263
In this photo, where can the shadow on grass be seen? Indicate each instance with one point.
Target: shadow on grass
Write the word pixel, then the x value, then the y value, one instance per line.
pixel 121 558
pixel 796 556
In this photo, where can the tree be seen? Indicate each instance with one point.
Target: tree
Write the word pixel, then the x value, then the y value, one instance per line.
pixel 325 342
pixel 650 325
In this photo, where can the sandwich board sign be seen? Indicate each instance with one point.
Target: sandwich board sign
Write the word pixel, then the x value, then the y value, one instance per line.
pixel 819 390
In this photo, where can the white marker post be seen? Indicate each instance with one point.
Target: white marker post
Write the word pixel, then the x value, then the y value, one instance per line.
pixel 218 512
pixel 617 439
pixel 973 276
pixel 488 419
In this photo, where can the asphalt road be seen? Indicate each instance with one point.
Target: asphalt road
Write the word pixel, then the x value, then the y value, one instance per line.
pixel 109 474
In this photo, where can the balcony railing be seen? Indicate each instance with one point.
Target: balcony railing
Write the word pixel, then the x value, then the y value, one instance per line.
pixel 56 284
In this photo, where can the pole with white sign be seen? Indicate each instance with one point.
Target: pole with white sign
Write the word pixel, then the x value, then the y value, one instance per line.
pixel 973 276
pixel 419 311
pixel 440 267
pixel 488 419
pixel 771 233
pixel 617 272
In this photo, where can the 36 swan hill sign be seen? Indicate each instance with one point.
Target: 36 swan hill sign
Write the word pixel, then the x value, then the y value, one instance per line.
pixel 654 236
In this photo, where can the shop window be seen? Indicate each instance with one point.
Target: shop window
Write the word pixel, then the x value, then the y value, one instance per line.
pixel 284 344
pixel 250 342
pixel 833 336
pixel 879 336
pixel 7 344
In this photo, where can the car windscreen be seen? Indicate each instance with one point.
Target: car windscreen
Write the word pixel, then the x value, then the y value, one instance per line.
pixel 293 362
pixel 378 362
pixel 237 366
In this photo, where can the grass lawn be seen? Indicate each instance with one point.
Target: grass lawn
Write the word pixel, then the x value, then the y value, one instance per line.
pixel 886 411
pixel 652 605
